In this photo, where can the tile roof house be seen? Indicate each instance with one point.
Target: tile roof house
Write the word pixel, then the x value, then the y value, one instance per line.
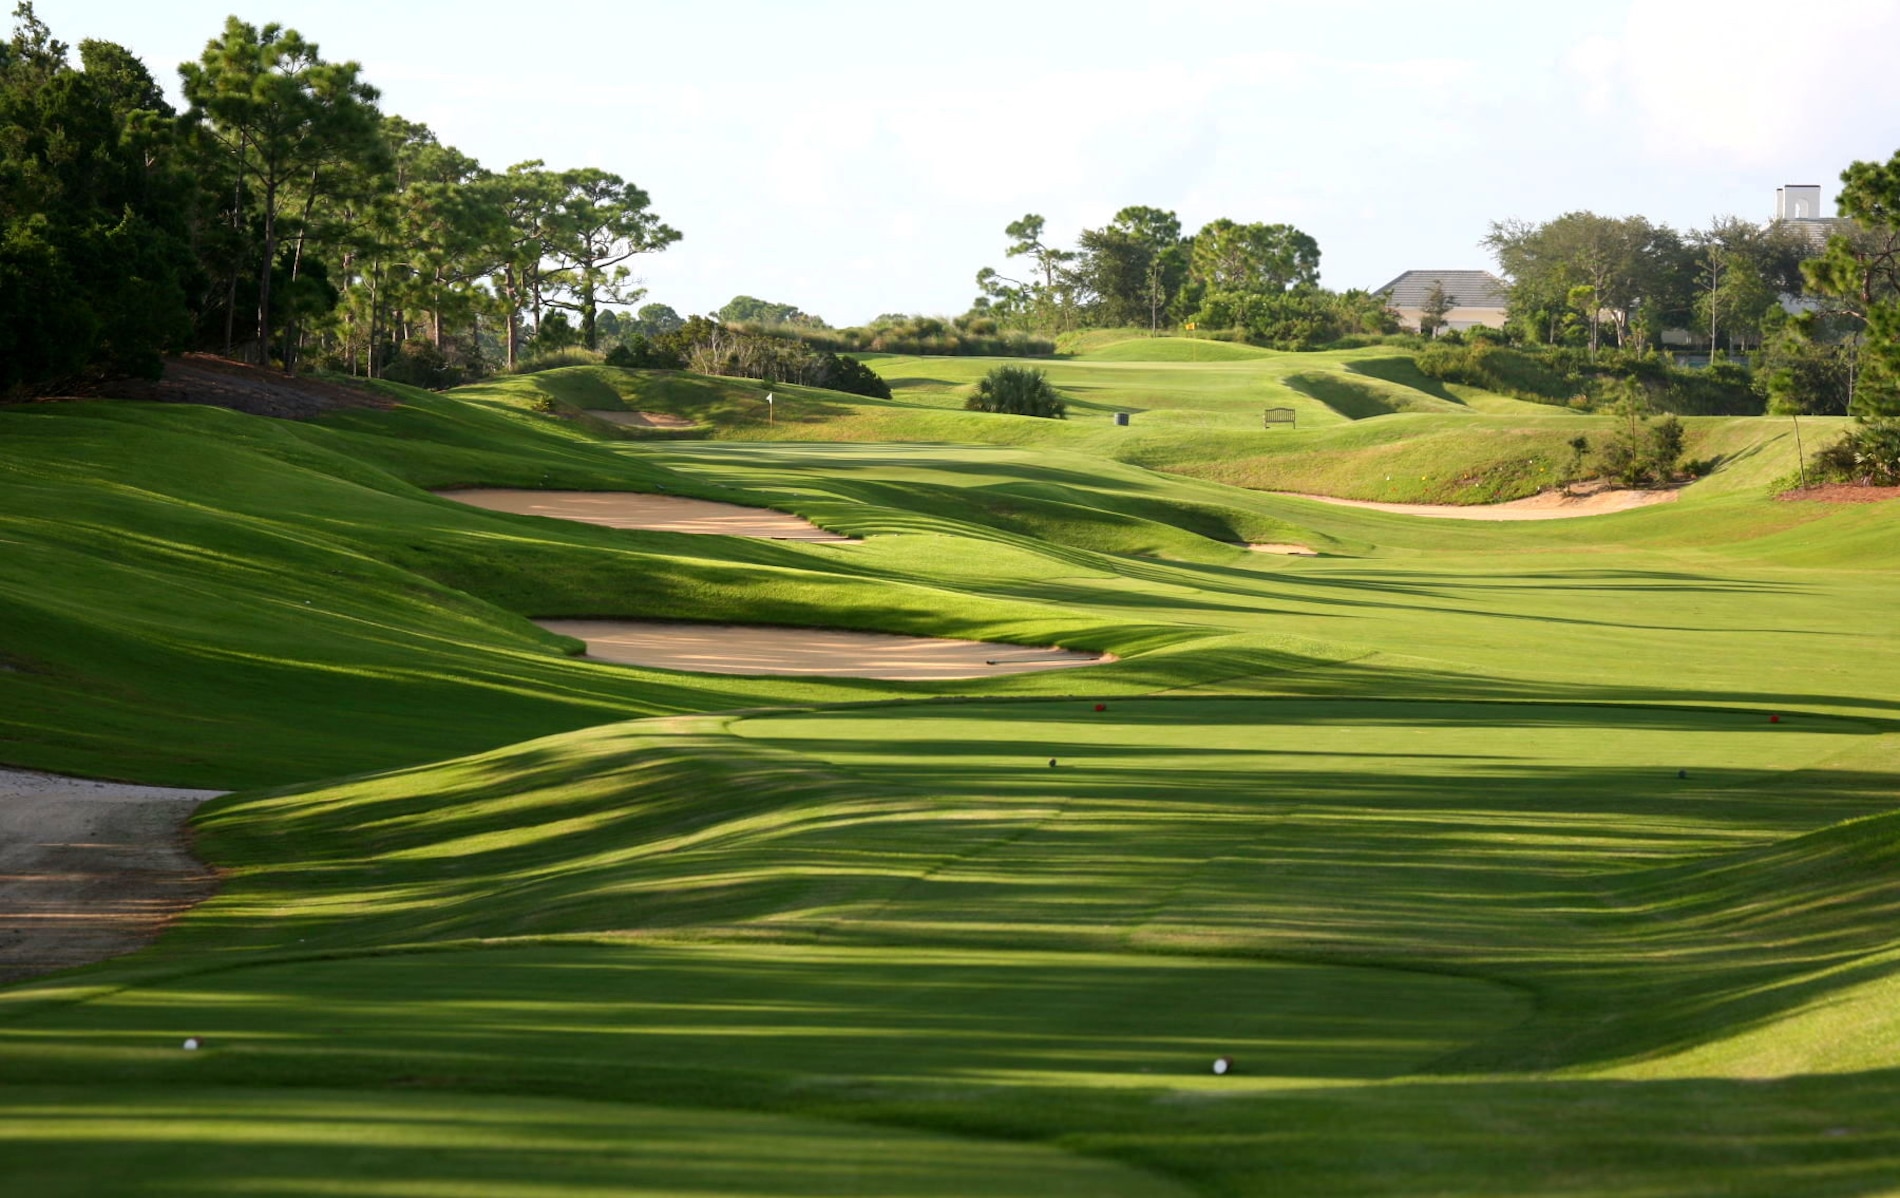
pixel 1478 297
pixel 1798 207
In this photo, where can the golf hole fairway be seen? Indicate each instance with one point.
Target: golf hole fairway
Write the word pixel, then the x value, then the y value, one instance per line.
pixel 653 513
pixel 737 649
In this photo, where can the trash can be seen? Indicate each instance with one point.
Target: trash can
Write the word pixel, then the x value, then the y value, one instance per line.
pixel 1121 418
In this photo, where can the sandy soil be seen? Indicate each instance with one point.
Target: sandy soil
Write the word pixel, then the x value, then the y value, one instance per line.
pixel 641 419
pixel 1285 547
pixel 730 649
pixel 659 513
pixel 90 870
pixel 1840 493
pixel 1550 505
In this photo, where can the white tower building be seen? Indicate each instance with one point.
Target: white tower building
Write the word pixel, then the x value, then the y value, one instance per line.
pixel 1798 201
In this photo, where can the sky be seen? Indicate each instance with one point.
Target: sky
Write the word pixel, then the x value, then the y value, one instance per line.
pixel 860 158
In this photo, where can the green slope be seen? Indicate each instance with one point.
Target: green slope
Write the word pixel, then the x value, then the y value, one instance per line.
pixel 1473 844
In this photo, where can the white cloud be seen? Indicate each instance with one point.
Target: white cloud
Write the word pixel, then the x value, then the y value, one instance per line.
pixel 1746 84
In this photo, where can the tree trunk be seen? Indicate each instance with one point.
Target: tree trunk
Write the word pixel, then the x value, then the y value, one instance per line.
pixel 590 337
pixel 237 225
pixel 514 317
pixel 230 312
pixel 264 273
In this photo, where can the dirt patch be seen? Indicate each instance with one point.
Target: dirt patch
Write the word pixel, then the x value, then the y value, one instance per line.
pixel 657 513
pixel 1550 505
pixel 736 649
pixel 642 419
pixel 1283 547
pixel 1839 493
pixel 220 382
pixel 90 870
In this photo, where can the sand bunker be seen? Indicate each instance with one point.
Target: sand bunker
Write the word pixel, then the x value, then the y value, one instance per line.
pixel 1286 547
pixel 642 419
pixel 657 513
pixel 89 870
pixel 1550 505
pixel 730 649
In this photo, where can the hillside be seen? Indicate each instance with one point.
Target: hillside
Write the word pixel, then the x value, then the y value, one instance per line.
pixel 1545 857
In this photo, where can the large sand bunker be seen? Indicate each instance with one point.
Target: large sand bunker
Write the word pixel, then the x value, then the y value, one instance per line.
pixel 732 649
pixel 89 870
pixel 656 513
pixel 1550 505
pixel 641 419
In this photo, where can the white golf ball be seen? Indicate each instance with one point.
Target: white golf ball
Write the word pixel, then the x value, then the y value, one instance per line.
pixel 1223 1064
pixel 191 1044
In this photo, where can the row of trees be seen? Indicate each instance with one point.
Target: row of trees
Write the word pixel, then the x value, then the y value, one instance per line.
pixel 714 347
pixel 283 217
pixel 1598 283
pixel 1139 269
pixel 1857 278
pixel 1589 278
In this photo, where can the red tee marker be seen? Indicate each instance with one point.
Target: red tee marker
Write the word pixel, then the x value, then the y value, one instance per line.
pixel 1774 719
pixel 1101 707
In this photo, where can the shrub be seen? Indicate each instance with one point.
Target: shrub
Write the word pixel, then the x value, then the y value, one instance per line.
pixel 419 363
pixel 1868 454
pixel 852 377
pixel 1017 391
pixel 1640 453
pixel 1557 374
pixel 1496 368
pixel 637 352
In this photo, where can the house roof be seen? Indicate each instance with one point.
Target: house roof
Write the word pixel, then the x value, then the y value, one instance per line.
pixel 1469 288
pixel 1817 229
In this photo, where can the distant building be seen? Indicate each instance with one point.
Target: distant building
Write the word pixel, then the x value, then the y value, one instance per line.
pixel 1798 205
pixel 1478 297
pixel 1798 201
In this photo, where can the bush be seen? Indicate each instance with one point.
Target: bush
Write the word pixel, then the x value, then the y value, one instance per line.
pixel 852 377
pixel 419 363
pixel 1557 374
pixel 709 347
pixel 1497 368
pixel 1301 319
pixel 1017 391
pixel 1868 454
pixel 1640 453
pixel 637 352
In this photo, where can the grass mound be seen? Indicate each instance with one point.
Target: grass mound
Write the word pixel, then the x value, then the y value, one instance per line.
pixel 1143 348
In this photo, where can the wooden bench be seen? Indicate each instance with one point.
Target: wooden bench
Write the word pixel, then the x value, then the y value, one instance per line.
pixel 1273 416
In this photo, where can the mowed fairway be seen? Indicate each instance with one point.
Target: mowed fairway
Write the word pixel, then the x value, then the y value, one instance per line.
pixel 1501 859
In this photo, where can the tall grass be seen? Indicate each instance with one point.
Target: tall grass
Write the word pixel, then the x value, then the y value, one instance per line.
pixel 963 337
pixel 554 359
